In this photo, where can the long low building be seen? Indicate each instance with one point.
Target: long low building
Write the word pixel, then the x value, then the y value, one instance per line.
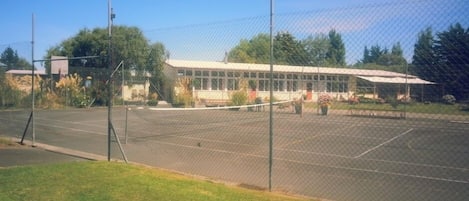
pixel 214 80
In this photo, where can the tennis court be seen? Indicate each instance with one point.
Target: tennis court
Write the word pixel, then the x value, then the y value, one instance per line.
pixel 334 157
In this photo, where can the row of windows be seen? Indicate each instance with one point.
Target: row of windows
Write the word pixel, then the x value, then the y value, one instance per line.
pixel 221 80
pixel 264 85
pixel 260 75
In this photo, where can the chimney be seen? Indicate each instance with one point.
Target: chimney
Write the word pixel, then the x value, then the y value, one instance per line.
pixel 225 60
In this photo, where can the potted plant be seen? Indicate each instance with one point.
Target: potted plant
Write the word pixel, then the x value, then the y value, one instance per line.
pixel 325 101
pixel 298 103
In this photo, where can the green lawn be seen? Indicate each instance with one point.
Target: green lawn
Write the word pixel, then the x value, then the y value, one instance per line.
pixel 115 181
pixel 432 108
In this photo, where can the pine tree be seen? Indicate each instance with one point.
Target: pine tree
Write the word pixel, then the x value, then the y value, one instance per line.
pixel 336 54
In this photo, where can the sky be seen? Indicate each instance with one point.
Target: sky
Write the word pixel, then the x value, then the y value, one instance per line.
pixel 205 29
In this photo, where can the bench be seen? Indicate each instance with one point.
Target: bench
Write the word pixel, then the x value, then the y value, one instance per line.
pixel 284 106
pixel 214 102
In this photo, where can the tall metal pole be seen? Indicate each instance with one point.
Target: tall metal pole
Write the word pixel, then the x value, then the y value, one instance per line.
pixel 271 135
pixel 407 95
pixel 109 108
pixel 32 84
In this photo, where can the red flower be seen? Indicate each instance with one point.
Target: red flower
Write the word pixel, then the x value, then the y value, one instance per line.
pixel 325 100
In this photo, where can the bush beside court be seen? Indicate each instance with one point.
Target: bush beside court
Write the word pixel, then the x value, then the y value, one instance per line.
pixel 115 181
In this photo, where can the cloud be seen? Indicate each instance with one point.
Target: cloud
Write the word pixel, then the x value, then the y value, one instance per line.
pixel 365 17
pixel 342 20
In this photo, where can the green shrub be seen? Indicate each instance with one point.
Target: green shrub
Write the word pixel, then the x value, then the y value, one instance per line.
pixel 449 99
pixel 392 101
pixel 152 102
pixel 182 100
pixel 239 98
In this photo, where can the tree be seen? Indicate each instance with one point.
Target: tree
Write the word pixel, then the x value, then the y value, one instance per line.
pixel 452 63
pixel 424 56
pixel 288 50
pixel 397 50
pixel 322 50
pixel 256 50
pixel 336 53
pixel 366 56
pixel 155 61
pixel 375 54
pixel 395 58
pixel 381 59
pixel 316 48
pixel 444 60
pixel 11 59
pixel 128 45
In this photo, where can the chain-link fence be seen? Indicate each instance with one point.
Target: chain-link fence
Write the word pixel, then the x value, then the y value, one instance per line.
pixel 15 58
pixel 369 103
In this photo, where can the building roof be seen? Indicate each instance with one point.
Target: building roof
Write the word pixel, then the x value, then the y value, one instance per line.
pixel 395 80
pixel 26 72
pixel 212 65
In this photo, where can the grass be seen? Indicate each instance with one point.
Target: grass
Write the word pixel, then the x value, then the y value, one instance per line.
pixel 432 108
pixel 7 142
pixel 115 181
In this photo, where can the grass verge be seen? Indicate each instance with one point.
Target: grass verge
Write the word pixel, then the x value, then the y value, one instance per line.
pixel 433 108
pixel 7 142
pixel 115 181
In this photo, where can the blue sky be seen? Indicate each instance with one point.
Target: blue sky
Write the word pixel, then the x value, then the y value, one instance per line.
pixel 210 27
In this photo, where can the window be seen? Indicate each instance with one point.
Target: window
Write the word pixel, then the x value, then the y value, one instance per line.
pixel 201 79
pixel 197 83
pixel 180 72
pixel 275 85
pixel 281 85
pixel 217 84
pixel 232 84
pixel 205 83
pixel 336 84
pixel 264 85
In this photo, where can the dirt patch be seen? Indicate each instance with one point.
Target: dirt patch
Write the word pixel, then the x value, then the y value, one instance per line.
pixel 252 187
pixel 6 142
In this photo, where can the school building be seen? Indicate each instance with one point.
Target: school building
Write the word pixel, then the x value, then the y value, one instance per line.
pixel 213 80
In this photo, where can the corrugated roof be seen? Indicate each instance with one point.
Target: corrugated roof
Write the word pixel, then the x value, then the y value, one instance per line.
pixel 395 80
pixel 26 72
pixel 281 68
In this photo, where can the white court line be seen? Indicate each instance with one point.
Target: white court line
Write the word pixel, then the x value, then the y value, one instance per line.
pixel 320 164
pixel 375 160
pixel 460 122
pixel 382 144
